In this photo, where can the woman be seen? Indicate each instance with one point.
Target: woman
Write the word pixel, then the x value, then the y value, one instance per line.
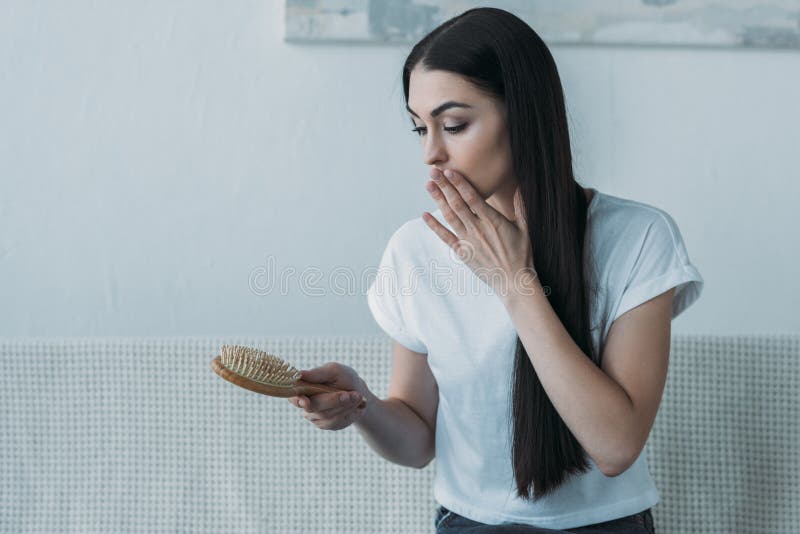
pixel 530 316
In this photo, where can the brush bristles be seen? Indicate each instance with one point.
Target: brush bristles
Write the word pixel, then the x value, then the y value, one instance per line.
pixel 258 365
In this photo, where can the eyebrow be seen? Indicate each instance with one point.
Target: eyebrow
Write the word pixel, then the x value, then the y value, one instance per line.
pixel 447 105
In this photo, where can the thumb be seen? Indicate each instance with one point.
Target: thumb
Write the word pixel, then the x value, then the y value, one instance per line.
pixel 519 210
pixel 319 375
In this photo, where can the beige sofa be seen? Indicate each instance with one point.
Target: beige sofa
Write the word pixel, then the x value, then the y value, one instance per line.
pixel 139 435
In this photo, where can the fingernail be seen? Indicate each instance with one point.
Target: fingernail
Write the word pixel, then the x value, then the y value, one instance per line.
pixel 302 404
pixel 355 397
pixel 448 173
pixel 430 187
pixel 343 397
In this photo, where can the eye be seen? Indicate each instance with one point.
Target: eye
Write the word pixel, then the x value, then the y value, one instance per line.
pixel 452 129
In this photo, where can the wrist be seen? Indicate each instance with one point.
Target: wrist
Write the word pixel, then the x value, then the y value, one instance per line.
pixel 524 285
pixel 370 400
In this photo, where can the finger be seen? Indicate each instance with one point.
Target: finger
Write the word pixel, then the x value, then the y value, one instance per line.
pixel 295 401
pixel 447 212
pixel 456 202
pixel 474 201
pixel 444 234
pixel 304 403
pixel 329 413
pixel 326 401
pixel 335 423
pixel 320 375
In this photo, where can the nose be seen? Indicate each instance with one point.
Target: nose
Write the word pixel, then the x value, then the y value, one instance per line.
pixel 433 150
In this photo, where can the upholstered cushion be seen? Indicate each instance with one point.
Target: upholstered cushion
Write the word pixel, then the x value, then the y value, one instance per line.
pixel 140 435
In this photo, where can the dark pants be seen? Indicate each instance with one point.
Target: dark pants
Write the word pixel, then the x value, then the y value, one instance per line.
pixel 449 522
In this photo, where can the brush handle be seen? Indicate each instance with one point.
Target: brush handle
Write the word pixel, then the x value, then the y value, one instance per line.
pixel 300 387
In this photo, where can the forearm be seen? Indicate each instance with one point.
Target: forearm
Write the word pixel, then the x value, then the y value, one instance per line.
pixel 395 432
pixel 594 407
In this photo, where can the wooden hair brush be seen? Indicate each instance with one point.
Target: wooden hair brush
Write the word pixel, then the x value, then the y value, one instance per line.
pixel 265 373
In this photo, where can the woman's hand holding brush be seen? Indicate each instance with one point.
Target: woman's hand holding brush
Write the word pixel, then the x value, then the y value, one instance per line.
pixel 333 411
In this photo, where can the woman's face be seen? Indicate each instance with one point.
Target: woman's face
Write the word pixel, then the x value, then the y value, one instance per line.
pixel 479 147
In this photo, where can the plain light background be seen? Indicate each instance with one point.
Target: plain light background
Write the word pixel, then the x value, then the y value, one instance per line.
pixel 155 155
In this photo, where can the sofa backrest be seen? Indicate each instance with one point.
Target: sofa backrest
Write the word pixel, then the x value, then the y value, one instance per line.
pixel 140 435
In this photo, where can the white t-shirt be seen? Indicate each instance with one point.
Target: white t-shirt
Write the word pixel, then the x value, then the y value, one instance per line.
pixel 426 298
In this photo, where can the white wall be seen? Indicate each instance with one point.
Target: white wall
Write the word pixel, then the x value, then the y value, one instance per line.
pixel 153 155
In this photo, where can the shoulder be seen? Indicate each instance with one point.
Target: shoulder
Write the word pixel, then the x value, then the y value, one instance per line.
pixel 639 252
pixel 415 239
pixel 408 231
pixel 410 244
pixel 613 210
pixel 630 240
pixel 624 224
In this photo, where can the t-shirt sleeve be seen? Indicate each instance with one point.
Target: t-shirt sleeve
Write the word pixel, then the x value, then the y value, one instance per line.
pixel 386 299
pixel 661 264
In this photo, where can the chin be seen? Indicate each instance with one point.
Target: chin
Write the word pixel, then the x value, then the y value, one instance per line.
pixel 482 191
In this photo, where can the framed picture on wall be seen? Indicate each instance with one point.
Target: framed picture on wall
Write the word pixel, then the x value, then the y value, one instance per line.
pixel 711 23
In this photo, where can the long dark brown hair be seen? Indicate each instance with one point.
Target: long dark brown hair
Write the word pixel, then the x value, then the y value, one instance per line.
pixel 503 56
